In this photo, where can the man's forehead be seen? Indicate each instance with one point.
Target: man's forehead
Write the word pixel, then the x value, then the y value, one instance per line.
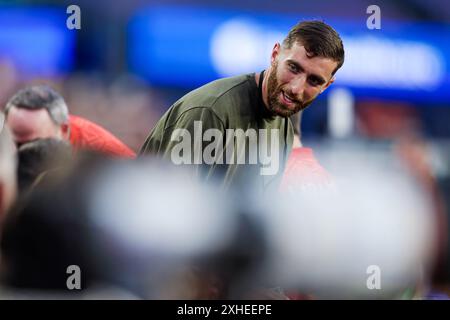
pixel 31 117
pixel 29 112
pixel 317 65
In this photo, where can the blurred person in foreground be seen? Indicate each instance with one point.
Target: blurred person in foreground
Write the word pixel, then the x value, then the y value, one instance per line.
pixel 371 236
pixel 304 176
pixel 227 124
pixel 41 112
pixel 46 234
pixel 39 157
pixel 423 157
pixel 118 223
pixel 417 155
pixel 303 173
pixel 8 167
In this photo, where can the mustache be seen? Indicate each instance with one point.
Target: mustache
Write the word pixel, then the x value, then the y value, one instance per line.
pixel 291 96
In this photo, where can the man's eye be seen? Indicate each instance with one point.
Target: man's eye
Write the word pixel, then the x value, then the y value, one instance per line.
pixel 313 82
pixel 293 68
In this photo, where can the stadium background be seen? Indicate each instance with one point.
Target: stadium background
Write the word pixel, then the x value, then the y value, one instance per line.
pixel 132 59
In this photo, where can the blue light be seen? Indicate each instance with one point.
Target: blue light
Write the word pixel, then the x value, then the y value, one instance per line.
pixel 36 41
pixel 187 47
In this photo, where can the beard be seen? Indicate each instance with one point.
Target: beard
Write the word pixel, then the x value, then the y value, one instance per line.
pixel 274 90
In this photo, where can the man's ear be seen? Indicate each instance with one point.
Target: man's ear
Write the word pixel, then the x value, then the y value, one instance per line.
pixel 65 130
pixel 328 84
pixel 275 53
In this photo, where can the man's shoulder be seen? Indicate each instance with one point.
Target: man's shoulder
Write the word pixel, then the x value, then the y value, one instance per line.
pixel 80 122
pixel 224 85
pixel 217 91
pixel 86 134
pixel 84 127
pixel 216 103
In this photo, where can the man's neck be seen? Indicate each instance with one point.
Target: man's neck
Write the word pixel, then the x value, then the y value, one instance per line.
pixel 264 86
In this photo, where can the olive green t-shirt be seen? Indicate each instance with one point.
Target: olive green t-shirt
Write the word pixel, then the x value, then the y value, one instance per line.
pixel 247 142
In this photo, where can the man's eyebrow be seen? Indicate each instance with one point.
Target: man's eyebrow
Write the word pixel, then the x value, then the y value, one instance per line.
pixel 312 75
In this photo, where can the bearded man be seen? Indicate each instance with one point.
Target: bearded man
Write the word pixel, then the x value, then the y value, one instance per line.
pixel 238 129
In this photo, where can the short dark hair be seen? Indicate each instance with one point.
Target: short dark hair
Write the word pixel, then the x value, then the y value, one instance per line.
pixel 41 97
pixel 319 39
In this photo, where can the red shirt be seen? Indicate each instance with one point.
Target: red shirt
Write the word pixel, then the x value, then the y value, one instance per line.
pixel 85 134
pixel 304 171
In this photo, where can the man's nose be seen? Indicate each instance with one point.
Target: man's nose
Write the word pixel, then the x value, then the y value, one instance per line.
pixel 297 86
